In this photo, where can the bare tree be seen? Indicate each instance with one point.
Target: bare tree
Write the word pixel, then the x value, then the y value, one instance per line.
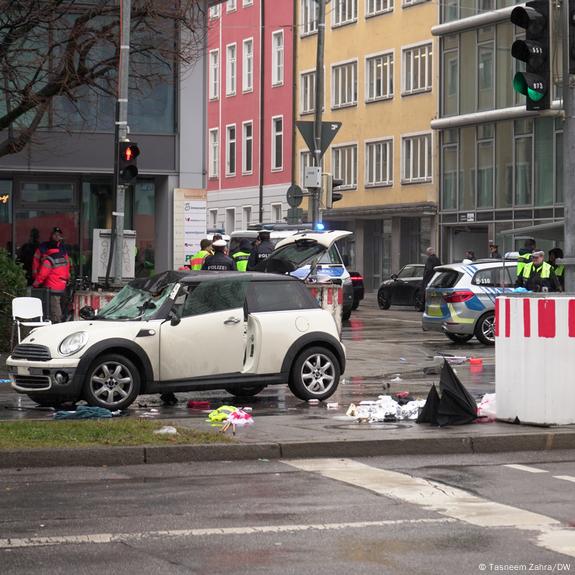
pixel 59 56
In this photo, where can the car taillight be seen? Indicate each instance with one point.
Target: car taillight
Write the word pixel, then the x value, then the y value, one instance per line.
pixel 357 279
pixel 458 296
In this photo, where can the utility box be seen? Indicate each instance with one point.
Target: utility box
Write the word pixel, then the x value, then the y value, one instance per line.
pixel 312 177
pixel 535 358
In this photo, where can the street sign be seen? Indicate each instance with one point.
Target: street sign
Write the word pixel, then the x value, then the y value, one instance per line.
pixel 294 196
pixel 328 133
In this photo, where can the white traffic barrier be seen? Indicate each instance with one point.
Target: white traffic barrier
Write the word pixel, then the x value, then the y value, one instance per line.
pixel 535 358
pixel 330 298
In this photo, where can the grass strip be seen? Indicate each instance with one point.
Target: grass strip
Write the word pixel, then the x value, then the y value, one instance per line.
pixel 97 432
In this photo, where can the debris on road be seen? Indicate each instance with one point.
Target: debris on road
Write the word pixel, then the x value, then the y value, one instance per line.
pixel 487 408
pixel 193 404
pixel 385 409
pixel 451 359
pixel 85 412
pixel 166 430
pixel 228 416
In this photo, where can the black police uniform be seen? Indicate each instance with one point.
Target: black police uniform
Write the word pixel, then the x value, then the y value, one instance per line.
pixel 259 254
pixel 219 262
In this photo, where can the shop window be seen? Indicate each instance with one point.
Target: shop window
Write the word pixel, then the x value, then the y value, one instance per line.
pixel 46 193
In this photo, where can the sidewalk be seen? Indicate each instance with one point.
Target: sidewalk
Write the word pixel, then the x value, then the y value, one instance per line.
pixel 323 434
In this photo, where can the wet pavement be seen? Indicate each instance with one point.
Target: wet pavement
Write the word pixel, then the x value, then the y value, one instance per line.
pixel 387 353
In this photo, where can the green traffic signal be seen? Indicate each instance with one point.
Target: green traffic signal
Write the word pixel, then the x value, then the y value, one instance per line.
pixel 521 85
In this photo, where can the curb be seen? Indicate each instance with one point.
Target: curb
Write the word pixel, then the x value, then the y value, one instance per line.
pixel 139 455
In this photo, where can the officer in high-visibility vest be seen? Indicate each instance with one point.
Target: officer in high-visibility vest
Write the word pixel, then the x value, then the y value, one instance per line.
pixel 554 255
pixel 242 256
pixel 525 256
pixel 199 257
pixel 538 275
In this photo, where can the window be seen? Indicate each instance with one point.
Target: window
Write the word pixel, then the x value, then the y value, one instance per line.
pixel 417 158
pixel 230 220
pixel 214 74
pixel 344 12
pixel 278 58
pixel 308 17
pixel 277 143
pixel 231 70
pixel 247 3
pixel 417 69
pixel 307 92
pixel 215 11
pixel 344 85
pixel 485 68
pixel 279 296
pixel 214 218
pixel 344 165
pixel 523 132
pixel 379 163
pixel 379 77
pixel 231 5
pixel 485 157
pixel 492 277
pixel 214 154
pixel 411 2
pixel 276 213
pixel 450 76
pixel 375 7
pixel 248 148
pixel 231 150
pixel 248 66
pixel 214 296
pixel 246 216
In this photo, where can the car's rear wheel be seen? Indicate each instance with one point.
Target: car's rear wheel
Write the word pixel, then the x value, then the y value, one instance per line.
pixel 315 374
pixel 459 337
pixel 485 329
pixel 246 391
pixel 382 300
pixel 113 382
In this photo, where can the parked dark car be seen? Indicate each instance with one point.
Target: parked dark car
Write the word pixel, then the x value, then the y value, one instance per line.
pixel 358 288
pixel 403 288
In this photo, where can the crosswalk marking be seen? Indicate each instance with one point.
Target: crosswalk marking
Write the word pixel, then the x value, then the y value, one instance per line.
pixel 525 468
pixel 444 499
pixel 565 478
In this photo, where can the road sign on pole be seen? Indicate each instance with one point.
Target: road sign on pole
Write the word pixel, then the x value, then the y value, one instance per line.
pixel 294 196
pixel 328 132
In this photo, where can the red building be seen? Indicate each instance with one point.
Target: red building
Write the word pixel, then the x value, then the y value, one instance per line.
pixel 250 112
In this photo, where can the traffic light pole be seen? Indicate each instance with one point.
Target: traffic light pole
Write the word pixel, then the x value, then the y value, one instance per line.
pixel 120 134
pixel 315 196
pixel 568 155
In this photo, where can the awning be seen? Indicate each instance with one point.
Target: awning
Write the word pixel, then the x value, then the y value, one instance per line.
pixel 550 231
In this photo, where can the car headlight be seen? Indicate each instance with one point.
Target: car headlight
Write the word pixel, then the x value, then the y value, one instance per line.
pixel 73 343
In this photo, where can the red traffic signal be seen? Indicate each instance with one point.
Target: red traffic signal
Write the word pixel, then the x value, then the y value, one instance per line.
pixel 128 165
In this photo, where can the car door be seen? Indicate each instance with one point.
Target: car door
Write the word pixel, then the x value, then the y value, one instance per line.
pixel 400 287
pixel 209 340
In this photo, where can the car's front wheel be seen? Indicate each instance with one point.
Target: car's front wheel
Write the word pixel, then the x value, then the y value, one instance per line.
pixel 247 391
pixel 458 337
pixel 485 329
pixel 113 382
pixel 315 374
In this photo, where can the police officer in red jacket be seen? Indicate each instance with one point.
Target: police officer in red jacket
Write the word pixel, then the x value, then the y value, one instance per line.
pixel 53 274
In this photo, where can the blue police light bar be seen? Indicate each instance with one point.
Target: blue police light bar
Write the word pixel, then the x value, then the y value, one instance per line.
pixel 319 227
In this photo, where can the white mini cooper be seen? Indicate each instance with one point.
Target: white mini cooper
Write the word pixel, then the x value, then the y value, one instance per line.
pixel 185 331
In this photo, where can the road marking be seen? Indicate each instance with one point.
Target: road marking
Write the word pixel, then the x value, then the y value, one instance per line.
pixel 525 468
pixel 100 538
pixel 565 478
pixel 444 499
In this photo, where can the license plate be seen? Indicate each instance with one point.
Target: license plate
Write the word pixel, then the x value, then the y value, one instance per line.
pixel 23 371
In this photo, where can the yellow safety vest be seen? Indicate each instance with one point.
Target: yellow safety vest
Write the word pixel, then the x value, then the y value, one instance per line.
pixel 197 260
pixel 545 272
pixel 241 259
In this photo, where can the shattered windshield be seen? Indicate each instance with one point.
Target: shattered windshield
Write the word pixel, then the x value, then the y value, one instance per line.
pixel 133 303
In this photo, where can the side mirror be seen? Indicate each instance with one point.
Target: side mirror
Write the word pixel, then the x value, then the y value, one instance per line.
pixel 175 319
pixel 87 312
pixel 393 276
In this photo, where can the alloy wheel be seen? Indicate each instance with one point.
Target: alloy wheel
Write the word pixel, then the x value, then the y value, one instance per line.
pixel 318 373
pixel 488 328
pixel 111 383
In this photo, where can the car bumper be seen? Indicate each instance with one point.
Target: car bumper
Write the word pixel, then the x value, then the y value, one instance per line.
pixel 430 323
pixel 458 328
pixel 54 376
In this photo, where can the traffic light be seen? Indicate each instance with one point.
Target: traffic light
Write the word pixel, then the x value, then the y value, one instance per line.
pixel 331 196
pixel 128 162
pixel 535 51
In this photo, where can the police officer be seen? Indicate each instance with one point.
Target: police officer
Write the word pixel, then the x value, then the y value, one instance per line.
pixel 199 257
pixel 525 256
pixel 554 255
pixel 242 256
pixel 538 275
pixel 219 262
pixel 261 251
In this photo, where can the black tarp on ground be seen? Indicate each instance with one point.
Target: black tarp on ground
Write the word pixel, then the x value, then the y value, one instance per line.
pixel 455 406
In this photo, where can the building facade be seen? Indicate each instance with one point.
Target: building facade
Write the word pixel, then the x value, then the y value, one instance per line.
pixel 380 83
pixel 249 112
pixel 500 166
pixel 64 176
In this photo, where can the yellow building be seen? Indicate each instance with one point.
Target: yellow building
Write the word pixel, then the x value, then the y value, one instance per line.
pixel 380 82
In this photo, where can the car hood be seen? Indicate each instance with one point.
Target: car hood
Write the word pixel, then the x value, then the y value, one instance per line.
pixel 52 335
pixel 325 239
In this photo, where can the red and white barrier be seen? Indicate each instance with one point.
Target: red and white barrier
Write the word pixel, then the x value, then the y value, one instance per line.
pixel 535 358
pixel 330 298
pixel 96 299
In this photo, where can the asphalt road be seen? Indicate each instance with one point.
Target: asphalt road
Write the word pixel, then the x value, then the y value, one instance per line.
pixel 381 346
pixel 426 515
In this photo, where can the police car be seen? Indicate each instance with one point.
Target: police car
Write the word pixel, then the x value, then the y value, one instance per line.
pixel 185 331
